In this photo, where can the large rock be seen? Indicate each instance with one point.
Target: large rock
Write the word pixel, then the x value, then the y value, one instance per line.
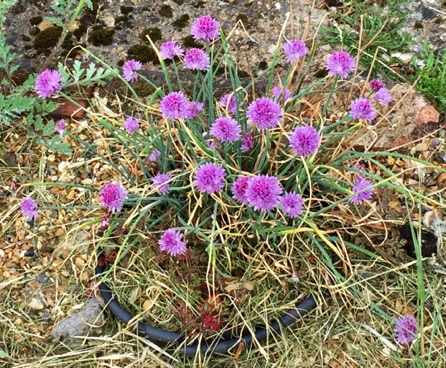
pixel 81 323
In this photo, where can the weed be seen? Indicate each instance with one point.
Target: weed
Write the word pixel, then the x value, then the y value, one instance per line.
pixel 431 76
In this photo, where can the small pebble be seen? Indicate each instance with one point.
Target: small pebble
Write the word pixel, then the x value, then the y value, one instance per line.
pixel 441 180
pixel 436 142
pixel 41 278
pixel 36 304
pixel 29 252
pixel 5 193
pixel 422 147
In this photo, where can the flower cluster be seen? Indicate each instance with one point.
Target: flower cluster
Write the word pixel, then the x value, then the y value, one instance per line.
pixel 129 70
pixel 294 50
pixel 209 178
pixel 160 182
pixel 205 28
pixel 362 108
pixel 264 113
pixel 196 59
pixel 229 102
pixel 48 83
pixel 155 155
pixel 406 329
pixel 60 127
pixel 281 93
pixel 376 84
pixel 292 204
pixel 239 189
pixel 226 130
pixel 362 190
pixel 112 196
pixel 176 105
pixel 194 110
pixel 241 125
pixel 131 125
pixel 305 141
pixel 170 49
pixel 262 192
pixel 29 208
pixel 171 242
pixel 247 142
pixel 340 63
pixel 383 96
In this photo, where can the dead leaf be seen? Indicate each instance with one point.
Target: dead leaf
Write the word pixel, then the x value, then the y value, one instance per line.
pixel 240 285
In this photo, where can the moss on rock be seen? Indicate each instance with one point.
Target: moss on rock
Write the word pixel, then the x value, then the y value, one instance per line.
pixel 181 22
pixel 101 36
pixel 142 53
pixel 155 34
pixel 35 20
pixel 47 39
pixel 125 10
pixel 166 11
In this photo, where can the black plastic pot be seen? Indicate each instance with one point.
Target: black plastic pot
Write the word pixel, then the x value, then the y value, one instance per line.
pixel 225 344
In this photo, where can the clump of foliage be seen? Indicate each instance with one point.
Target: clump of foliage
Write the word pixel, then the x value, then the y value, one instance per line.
pixel 210 204
pixel 371 31
pixel 431 76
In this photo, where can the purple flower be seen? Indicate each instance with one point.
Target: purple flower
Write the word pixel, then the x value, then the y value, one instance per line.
pixel 48 82
pixel 194 110
pixel 131 125
pixel 361 108
pixel 305 141
pixel 60 127
pixel 265 113
pixel 281 93
pixel 292 204
pixel 209 178
pixel 211 144
pixel 263 192
pixel 358 167
pixel 170 49
pixel 105 223
pixel 226 130
pixel 340 63
pixel 160 181
pixel 175 106
pixel 406 329
pixel 383 96
pixel 247 142
pixel 29 208
pixel 129 70
pixel 196 59
pixel 376 84
pixel 362 190
pixel 294 50
pixel 229 102
pixel 112 195
pixel 239 189
pixel 155 155
pixel 205 28
pixel 171 243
